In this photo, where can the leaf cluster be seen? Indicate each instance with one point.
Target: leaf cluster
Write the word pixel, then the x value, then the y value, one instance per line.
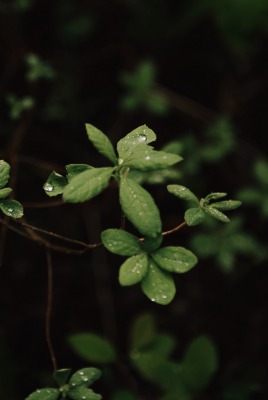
pixel 83 182
pixel 207 206
pixel 74 387
pixel 148 264
pixel 151 355
pixel 11 208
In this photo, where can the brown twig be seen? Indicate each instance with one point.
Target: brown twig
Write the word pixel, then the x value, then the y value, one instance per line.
pixel 43 242
pixel 49 310
pixel 177 228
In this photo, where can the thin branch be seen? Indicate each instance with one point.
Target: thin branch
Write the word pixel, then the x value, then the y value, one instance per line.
pixel 41 241
pixel 61 249
pixel 49 310
pixel 177 228
pixel 56 235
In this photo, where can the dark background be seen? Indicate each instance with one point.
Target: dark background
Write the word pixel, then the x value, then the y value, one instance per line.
pixel 210 62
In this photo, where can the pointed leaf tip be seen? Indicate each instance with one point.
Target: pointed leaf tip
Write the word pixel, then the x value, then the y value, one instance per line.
pixel 183 193
pixel 101 142
pixel 213 212
pixel 175 259
pixel 158 285
pixel 140 135
pixel 11 208
pixel 133 270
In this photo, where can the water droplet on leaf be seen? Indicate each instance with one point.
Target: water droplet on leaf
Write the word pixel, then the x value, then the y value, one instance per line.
pixel 48 187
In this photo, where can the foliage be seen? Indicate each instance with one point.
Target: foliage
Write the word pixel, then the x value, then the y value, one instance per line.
pixel 11 208
pixel 140 90
pixel 148 263
pixel 196 71
pixel 150 353
pixel 74 387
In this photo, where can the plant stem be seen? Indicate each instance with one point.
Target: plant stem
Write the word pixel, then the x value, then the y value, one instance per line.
pixel 177 228
pixel 49 310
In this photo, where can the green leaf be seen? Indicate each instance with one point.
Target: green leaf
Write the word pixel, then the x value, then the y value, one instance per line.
pixel 120 242
pixel 84 377
pixel 55 184
pixel 200 363
pixel 133 270
pixel 226 205
pixel 92 347
pixel 182 192
pixel 75 169
pixel 174 259
pixel 143 331
pixel 5 192
pixel 261 171
pixel 158 285
pixel 44 394
pixel 151 160
pixel 140 208
pixel 101 142
pixel 61 376
pixel 213 212
pixel 194 216
pixel 163 346
pixel 214 196
pixel 12 208
pixel 142 134
pixel 82 393
pixel 4 173
pixel 88 184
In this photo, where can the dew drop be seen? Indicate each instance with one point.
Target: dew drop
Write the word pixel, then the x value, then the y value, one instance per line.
pixel 85 379
pixel 48 187
pixel 147 158
pixel 120 161
pixel 142 137
pixel 81 373
pixel 10 210
pixel 38 391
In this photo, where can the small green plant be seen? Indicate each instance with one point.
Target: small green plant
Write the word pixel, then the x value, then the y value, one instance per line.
pixel 11 208
pixel 148 262
pixel 75 387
